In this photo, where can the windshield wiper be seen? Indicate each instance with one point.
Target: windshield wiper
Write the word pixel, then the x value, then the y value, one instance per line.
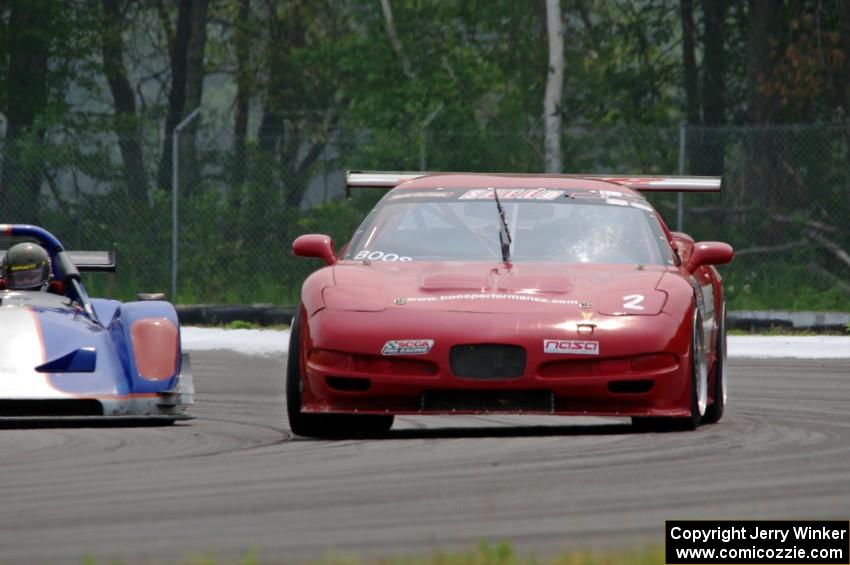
pixel 504 233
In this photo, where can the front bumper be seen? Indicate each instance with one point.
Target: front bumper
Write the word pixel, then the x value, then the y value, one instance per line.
pixel 641 368
pixel 163 406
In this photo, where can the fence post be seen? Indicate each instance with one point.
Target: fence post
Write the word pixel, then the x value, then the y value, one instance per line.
pixel 680 197
pixel 175 169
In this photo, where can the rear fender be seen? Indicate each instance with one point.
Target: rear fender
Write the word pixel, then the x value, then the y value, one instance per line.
pixel 147 338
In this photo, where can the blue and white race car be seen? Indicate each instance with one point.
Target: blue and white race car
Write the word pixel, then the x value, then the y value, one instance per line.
pixel 65 355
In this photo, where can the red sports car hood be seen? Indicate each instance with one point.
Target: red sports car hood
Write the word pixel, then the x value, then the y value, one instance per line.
pixel 485 287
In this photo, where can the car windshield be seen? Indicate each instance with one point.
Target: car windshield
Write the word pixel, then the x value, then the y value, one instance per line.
pixel 545 226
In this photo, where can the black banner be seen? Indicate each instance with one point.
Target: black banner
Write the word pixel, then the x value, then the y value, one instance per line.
pixel 741 542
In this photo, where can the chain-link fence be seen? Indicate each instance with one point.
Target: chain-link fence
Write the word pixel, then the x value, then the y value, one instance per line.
pixel 785 205
pixel 786 209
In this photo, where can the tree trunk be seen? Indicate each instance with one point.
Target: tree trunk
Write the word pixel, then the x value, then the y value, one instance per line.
pixel 389 23
pixel 27 87
pixel 766 22
pixel 242 40
pixel 763 177
pixel 276 50
pixel 708 145
pixel 714 65
pixel 125 121
pixel 844 31
pixel 195 73
pixel 177 92
pixel 554 89
pixel 689 64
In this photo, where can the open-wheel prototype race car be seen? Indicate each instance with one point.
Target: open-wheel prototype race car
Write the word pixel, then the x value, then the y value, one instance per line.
pixel 65 355
pixel 466 293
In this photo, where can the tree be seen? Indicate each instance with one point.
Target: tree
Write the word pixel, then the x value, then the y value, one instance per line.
pixel 244 90
pixel 303 95
pixel 554 89
pixel 706 147
pixel 392 34
pixel 844 75
pixel 689 65
pixel 187 77
pixel 29 35
pixel 763 176
pixel 714 63
pixel 125 121
pixel 762 51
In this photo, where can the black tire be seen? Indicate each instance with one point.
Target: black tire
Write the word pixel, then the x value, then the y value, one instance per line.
pixel 686 423
pixel 714 412
pixel 321 425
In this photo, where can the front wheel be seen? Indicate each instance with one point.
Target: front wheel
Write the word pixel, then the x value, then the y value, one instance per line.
pixel 715 411
pixel 321 425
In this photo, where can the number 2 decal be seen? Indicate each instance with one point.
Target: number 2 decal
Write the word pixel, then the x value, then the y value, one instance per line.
pixel 632 301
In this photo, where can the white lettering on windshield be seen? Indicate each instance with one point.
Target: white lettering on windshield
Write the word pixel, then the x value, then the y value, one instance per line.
pixel 512 194
pixel 492 296
pixel 367 255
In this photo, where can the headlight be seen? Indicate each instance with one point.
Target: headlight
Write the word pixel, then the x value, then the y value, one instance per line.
pixel 353 298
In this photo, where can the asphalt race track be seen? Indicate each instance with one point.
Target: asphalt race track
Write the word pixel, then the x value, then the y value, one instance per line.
pixel 235 480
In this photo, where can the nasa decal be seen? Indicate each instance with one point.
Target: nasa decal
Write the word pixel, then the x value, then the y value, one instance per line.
pixel 570 347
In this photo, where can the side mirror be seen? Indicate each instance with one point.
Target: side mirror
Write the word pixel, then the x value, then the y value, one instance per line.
pixel 709 253
pixel 315 245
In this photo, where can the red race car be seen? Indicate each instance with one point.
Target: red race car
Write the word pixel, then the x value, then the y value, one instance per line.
pixel 466 293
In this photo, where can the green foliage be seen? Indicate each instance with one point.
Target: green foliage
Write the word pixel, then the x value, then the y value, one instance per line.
pixel 779 331
pixel 485 553
pixel 235 242
pixel 779 285
pixel 327 90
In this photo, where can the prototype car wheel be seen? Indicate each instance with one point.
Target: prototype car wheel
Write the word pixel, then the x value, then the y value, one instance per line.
pixel 714 412
pixel 699 389
pixel 321 425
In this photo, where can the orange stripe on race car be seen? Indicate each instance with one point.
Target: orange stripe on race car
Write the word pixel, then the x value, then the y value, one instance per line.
pixel 37 323
pixel 91 396
pixel 155 345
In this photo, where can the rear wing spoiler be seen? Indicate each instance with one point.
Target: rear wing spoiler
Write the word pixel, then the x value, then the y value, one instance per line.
pixel 643 183
pixel 88 261
pixel 93 261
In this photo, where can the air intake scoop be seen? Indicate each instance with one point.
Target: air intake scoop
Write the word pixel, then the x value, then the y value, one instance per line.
pixel 82 360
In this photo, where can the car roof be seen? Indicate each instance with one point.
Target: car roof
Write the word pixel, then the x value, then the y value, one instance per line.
pixel 513 180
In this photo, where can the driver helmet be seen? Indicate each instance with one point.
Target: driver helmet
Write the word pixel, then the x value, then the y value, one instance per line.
pixel 593 233
pixel 26 267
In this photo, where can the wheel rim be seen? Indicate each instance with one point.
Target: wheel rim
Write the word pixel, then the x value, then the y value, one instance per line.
pixel 701 368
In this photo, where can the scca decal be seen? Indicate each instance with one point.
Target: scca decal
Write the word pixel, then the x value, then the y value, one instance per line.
pixel 570 347
pixel 407 347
